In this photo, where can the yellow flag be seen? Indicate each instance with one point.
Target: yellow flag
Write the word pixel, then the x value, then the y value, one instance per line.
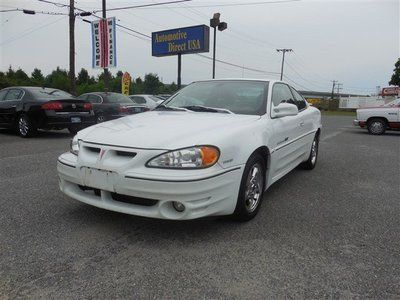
pixel 126 82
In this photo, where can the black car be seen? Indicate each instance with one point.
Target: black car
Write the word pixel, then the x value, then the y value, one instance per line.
pixel 27 109
pixel 109 106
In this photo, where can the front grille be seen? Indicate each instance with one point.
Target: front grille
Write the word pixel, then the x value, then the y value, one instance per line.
pixel 89 189
pixel 133 200
pixel 125 153
pixel 93 149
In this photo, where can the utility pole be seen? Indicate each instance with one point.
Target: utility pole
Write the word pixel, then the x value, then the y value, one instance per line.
pixel 72 47
pixel 339 87
pixel 105 69
pixel 333 88
pixel 283 57
pixel 216 23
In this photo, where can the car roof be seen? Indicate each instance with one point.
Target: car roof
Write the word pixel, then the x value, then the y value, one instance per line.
pixel 32 88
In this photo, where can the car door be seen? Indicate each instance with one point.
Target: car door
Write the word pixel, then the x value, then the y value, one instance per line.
pixel 306 125
pixel 2 110
pixel 8 104
pixel 286 148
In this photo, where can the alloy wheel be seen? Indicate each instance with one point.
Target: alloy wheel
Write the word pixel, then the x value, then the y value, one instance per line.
pixel 254 186
pixel 23 126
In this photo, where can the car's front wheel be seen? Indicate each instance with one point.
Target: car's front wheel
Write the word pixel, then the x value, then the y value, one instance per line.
pixel 251 189
pixel 311 162
pixel 376 126
pixel 25 126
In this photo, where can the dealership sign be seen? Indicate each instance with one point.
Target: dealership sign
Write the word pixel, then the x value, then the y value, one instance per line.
pixel 391 91
pixel 186 40
pixel 104 43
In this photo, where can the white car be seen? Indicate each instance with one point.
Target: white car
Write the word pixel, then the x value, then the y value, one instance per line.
pixel 212 149
pixel 148 100
pixel 378 119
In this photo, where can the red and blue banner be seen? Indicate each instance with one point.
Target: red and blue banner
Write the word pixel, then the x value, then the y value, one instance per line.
pixel 104 54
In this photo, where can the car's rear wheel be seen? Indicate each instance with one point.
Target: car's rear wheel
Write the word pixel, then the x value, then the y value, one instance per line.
pixel 311 162
pixel 251 189
pixel 25 126
pixel 74 129
pixel 376 126
pixel 100 118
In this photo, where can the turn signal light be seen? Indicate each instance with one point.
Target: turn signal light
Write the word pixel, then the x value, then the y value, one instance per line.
pixel 52 106
pixel 209 155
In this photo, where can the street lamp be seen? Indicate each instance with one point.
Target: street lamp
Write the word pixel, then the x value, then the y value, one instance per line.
pixel 216 23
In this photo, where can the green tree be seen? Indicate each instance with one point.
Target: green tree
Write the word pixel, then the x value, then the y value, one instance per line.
pixel 152 84
pixel 395 80
pixel 58 79
pixel 37 77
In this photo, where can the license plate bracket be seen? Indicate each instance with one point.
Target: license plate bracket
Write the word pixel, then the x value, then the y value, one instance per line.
pixel 99 179
pixel 76 120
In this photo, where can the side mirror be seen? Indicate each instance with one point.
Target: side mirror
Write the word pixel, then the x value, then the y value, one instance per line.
pixel 283 110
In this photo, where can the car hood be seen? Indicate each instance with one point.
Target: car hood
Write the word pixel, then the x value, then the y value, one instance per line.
pixel 164 129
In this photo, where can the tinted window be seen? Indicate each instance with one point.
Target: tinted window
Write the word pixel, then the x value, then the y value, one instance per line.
pixel 13 94
pixel 118 98
pixel 240 97
pixel 2 94
pixel 138 100
pixel 49 94
pixel 300 102
pixel 82 97
pixel 281 94
pixel 94 98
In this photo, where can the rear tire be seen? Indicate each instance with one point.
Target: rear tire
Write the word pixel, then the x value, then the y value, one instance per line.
pixel 100 118
pixel 251 190
pixel 25 126
pixel 311 162
pixel 73 130
pixel 376 126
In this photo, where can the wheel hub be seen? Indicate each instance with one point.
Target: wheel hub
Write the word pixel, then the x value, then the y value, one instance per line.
pixel 23 126
pixel 254 187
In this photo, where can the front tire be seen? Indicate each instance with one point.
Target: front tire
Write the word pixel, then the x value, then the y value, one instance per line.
pixel 376 126
pixel 251 190
pixel 311 162
pixel 25 126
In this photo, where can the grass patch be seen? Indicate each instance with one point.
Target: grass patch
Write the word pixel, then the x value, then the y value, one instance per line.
pixel 339 113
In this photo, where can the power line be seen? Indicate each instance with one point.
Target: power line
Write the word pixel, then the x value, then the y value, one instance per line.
pixel 144 5
pixel 33 12
pixel 231 4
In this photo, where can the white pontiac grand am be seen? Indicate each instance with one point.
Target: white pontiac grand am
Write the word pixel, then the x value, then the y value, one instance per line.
pixel 212 149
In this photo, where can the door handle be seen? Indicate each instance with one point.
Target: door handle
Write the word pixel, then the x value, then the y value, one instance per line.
pixel 301 124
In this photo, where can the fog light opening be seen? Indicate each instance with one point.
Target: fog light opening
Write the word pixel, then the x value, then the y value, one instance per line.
pixel 179 207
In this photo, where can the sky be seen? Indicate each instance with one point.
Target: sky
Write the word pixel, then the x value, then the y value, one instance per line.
pixel 354 42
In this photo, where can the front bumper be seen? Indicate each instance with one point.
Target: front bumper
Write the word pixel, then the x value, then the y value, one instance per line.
pixel 359 123
pixel 211 195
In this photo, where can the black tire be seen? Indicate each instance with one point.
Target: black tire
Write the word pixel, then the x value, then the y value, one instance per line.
pixel 376 126
pixel 100 118
pixel 247 206
pixel 311 162
pixel 73 129
pixel 25 127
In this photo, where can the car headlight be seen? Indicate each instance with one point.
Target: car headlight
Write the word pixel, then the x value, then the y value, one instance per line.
pixel 75 145
pixel 196 157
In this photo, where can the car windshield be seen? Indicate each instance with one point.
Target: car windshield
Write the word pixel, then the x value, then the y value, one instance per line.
pixel 50 93
pixel 237 96
pixel 118 98
pixel 393 103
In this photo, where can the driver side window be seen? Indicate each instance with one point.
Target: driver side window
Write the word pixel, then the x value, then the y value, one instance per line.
pixel 281 94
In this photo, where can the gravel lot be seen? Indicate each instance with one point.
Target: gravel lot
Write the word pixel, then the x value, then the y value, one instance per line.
pixel 330 233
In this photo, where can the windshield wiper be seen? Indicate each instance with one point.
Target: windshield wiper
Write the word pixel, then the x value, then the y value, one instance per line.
pixel 164 107
pixel 201 108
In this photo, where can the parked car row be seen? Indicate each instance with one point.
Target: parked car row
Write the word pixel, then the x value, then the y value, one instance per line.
pixel 27 109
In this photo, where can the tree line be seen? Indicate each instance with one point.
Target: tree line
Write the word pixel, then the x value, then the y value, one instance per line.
pixel 85 83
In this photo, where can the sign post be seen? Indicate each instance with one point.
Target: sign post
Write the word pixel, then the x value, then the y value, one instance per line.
pixel 187 40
